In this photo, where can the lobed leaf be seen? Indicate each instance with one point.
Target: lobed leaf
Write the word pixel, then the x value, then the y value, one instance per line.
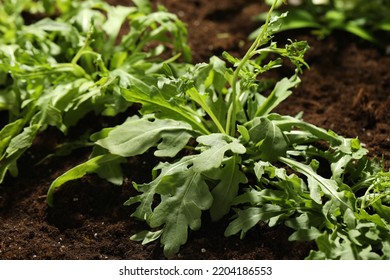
pixel 136 135
pixel 148 190
pixel 213 148
pixel 184 195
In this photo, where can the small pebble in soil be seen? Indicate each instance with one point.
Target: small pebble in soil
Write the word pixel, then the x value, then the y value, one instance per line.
pixel 181 14
pixel 203 250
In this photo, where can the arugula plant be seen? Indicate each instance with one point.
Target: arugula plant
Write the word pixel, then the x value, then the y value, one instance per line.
pixel 224 151
pixel 55 71
pixel 365 19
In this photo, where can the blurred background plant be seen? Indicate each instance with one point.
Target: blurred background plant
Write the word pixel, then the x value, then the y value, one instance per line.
pixel 368 20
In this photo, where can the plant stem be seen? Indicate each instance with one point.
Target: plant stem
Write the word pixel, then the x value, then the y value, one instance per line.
pixel 260 40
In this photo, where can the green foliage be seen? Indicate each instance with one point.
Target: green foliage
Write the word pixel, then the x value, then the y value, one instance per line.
pixel 184 194
pixel 365 19
pixel 220 118
pixel 205 103
pixel 55 71
pixel 221 149
pixel 136 136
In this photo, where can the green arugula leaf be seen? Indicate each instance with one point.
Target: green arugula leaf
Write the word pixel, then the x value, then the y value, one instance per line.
pixel 23 140
pixel 248 218
pixel 202 101
pixel 135 136
pixel 148 191
pixel 213 148
pixel 16 147
pixel 279 93
pixel 7 133
pixel 185 195
pixel 304 234
pixel 154 100
pixel 93 165
pixel 328 186
pixel 269 139
pixel 226 190
pixel 146 236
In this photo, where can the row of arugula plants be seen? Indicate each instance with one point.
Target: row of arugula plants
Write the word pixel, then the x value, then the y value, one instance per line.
pixel 222 149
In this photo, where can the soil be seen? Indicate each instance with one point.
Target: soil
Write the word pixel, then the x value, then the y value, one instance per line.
pixel 346 90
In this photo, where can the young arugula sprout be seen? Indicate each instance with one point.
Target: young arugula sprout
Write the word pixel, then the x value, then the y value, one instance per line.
pixel 55 71
pixel 238 162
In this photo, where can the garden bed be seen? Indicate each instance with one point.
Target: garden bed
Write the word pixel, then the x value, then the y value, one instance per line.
pixel 346 90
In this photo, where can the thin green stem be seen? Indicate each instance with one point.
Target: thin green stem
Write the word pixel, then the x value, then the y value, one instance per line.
pixel 70 67
pixel 86 44
pixel 260 40
pixel 363 204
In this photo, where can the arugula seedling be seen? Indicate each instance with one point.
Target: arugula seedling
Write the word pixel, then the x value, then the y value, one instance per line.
pixel 206 102
pixel 221 119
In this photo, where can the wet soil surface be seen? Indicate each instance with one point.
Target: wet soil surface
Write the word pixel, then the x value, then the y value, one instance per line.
pixel 346 89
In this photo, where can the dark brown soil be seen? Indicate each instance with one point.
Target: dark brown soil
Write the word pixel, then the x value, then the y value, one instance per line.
pixel 346 90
